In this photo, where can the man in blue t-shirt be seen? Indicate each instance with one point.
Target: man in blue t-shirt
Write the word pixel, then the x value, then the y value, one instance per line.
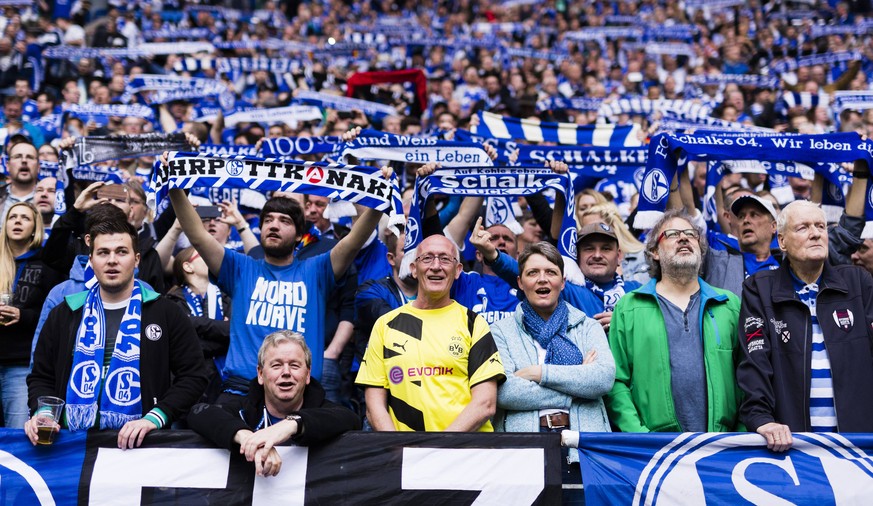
pixel 275 293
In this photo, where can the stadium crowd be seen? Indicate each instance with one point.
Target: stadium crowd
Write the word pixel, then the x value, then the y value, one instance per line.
pixel 257 316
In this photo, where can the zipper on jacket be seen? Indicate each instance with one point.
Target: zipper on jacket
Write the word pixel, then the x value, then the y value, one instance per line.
pixel 717 335
pixel 808 385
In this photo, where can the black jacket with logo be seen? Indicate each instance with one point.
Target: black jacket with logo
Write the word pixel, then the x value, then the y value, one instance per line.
pixel 172 375
pixel 776 333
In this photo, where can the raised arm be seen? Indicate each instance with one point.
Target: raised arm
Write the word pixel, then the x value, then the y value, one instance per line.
pixel 343 254
pixel 210 250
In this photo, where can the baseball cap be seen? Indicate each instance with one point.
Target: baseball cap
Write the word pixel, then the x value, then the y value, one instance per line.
pixel 745 199
pixel 592 229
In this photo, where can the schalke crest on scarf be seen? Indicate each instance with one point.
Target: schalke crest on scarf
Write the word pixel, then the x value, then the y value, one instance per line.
pixel 352 183
pixel 819 151
pixel 494 181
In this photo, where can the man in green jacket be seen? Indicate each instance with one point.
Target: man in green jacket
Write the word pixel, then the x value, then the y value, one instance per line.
pixel 674 342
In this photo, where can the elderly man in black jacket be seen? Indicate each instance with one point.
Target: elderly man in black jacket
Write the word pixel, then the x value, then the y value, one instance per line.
pixel 283 403
pixel 806 329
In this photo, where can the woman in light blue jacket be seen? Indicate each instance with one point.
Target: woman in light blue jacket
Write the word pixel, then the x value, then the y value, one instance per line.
pixel 557 360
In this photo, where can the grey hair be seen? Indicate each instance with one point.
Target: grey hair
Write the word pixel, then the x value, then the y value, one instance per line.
pixel 795 207
pixel 655 232
pixel 284 336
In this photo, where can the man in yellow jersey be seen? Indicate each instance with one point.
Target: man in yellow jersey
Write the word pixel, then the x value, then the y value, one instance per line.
pixel 432 365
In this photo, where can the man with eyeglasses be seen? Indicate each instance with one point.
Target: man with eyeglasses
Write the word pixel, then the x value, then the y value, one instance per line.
pixel 432 365
pixel 807 362
pixel 674 341
pixel 23 167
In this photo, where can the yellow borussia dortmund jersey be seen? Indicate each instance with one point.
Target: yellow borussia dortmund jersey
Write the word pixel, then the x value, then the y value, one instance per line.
pixel 428 361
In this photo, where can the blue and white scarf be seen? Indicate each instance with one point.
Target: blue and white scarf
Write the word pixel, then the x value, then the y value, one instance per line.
pixel 119 394
pixel 500 127
pixel 228 149
pixel 739 79
pixel 95 173
pixel 517 52
pixel 581 155
pixel 638 106
pixel 855 100
pixel 661 48
pixel 287 46
pixel 666 151
pixel 574 103
pixel 804 99
pixel 177 33
pixel 213 302
pixel 787 65
pixel 100 114
pixel 671 32
pixel 610 296
pixel 247 65
pixel 285 147
pixel 713 5
pixel 551 335
pixel 168 87
pixel 352 183
pixel 290 115
pixel 376 145
pixel 671 117
pixel 825 30
pixel 147 49
pixel 326 100
pixel 499 211
pixel 605 32
pixel 497 181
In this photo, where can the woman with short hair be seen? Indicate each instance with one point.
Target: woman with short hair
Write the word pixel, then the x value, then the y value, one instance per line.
pixel 557 360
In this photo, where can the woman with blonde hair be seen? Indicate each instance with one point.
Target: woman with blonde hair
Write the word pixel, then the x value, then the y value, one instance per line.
pixel 633 266
pixel 585 199
pixel 25 281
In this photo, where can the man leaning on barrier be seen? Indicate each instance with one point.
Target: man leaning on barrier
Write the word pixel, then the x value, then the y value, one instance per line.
pixel 806 334
pixel 283 403
pixel 121 356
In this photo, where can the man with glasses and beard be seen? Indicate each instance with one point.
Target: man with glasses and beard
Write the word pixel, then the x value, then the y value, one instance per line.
pixel 432 365
pixel 674 342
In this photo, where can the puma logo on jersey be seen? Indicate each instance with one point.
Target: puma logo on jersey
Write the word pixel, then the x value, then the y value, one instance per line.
pixel 401 346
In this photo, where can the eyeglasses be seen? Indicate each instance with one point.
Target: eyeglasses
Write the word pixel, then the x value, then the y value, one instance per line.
pixel 442 259
pixel 674 234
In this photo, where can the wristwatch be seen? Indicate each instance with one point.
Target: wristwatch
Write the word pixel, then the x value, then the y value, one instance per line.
pixel 299 420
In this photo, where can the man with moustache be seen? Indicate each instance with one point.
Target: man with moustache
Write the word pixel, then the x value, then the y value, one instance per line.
pixel 806 327
pixel 23 166
pixel 432 365
pixel 674 341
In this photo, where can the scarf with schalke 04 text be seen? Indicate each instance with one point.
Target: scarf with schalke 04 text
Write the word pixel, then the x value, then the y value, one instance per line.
pixel 668 151
pixel 118 394
pixel 352 183
pixel 496 181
